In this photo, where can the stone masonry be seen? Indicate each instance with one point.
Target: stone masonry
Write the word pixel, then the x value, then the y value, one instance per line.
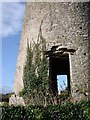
pixel 66 24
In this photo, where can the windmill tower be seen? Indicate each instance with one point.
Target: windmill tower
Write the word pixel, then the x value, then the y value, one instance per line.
pixel 65 26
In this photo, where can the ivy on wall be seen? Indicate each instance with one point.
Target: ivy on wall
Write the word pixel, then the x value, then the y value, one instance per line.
pixel 35 73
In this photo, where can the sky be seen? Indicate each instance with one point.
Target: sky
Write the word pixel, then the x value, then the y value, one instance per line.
pixel 11 17
pixel 62 82
pixel 12 20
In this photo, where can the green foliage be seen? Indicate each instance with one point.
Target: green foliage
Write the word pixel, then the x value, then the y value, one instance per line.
pixel 64 112
pixel 86 109
pixel 35 73
pixel 12 113
pixel 34 112
pixel 22 93
pixel 67 111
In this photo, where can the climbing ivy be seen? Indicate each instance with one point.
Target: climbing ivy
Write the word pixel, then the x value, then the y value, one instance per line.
pixel 35 73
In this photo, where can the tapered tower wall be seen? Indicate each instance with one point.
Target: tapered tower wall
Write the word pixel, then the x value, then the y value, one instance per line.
pixel 66 24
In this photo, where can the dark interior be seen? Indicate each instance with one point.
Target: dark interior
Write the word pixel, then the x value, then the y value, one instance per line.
pixel 58 65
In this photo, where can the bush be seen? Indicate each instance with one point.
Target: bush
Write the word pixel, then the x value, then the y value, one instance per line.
pixel 67 111
pixel 13 113
pixel 33 112
pixel 64 112
pixel 86 109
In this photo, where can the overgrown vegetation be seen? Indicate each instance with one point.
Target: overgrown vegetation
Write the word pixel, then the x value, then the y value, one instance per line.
pixel 36 83
pixel 35 73
pixel 67 111
pixel 36 89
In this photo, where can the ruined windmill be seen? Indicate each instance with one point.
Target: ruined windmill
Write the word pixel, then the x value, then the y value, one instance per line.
pixel 65 27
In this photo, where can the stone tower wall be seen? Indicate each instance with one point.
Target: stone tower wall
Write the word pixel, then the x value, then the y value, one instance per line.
pixel 65 24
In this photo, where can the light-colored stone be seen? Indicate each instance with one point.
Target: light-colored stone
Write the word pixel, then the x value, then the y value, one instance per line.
pixel 16 100
pixel 63 23
pixel 57 0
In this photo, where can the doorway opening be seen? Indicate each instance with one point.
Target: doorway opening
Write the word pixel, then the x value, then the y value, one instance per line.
pixel 59 69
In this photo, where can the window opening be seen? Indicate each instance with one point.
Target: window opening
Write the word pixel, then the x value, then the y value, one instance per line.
pixel 61 83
